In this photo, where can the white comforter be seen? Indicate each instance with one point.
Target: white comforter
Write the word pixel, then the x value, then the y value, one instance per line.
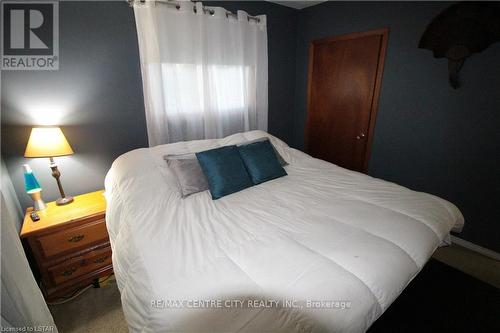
pixel 322 233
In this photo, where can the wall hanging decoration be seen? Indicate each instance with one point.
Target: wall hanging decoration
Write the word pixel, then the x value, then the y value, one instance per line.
pixel 460 31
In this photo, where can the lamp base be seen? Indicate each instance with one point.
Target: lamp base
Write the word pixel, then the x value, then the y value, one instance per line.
pixel 64 201
pixel 38 203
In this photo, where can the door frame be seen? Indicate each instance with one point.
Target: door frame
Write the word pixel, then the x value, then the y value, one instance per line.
pixel 384 33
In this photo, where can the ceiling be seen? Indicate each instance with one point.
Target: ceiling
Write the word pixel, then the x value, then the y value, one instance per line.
pixel 298 4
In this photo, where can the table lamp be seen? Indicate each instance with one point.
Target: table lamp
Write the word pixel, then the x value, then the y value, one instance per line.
pixel 50 142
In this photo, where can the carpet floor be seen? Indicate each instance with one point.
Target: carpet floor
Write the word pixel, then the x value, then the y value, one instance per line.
pixel 97 310
pixel 439 299
pixel 443 299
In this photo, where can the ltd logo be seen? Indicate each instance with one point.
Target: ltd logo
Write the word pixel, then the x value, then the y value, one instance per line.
pixel 30 35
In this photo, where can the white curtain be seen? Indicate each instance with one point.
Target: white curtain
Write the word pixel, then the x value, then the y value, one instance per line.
pixel 204 72
pixel 23 307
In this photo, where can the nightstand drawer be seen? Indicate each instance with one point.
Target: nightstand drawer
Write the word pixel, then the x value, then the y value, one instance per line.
pixel 81 265
pixel 72 239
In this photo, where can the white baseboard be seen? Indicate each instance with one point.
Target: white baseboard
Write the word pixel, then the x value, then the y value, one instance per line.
pixel 476 248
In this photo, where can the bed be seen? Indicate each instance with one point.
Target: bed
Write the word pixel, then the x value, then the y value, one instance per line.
pixel 323 249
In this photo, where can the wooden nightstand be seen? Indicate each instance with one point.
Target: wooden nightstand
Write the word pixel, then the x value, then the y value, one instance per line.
pixel 70 244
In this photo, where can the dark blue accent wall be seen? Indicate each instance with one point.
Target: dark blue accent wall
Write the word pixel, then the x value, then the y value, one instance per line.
pixel 428 136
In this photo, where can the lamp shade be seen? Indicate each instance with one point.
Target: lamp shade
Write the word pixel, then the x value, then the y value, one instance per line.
pixel 47 142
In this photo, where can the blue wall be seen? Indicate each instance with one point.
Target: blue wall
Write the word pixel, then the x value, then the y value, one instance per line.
pixel 428 136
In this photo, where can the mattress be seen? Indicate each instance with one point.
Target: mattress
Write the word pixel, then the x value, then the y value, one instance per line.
pixel 323 249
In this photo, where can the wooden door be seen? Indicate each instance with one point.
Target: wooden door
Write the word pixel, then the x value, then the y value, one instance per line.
pixel 345 74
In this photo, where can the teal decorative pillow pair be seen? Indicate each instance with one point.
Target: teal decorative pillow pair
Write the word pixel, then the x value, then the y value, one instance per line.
pixel 231 169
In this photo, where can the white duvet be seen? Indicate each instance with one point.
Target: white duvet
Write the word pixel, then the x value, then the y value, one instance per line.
pixel 323 249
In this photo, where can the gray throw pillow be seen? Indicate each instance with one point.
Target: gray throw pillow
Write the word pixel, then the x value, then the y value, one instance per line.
pixel 189 173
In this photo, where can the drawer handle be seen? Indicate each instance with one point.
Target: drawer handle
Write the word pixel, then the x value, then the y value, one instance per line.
pixel 69 271
pixel 76 238
pixel 100 260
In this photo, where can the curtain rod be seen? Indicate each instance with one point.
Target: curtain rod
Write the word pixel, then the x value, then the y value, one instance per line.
pixel 177 6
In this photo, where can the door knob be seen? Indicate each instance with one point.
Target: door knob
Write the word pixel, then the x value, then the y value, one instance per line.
pixel 362 135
